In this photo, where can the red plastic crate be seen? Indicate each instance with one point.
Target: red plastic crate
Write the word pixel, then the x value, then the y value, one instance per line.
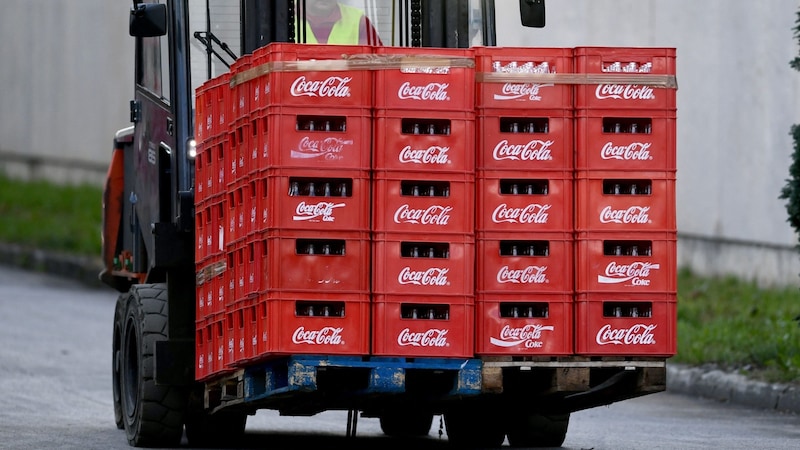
pixel 243 326
pixel 209 228
pixel 203 111
pixel 216 345
pixel 600 332
pixel 241 147
pixel 259 81
pixel 404 142
pixel 397 333
pixel 448 84
pixel 241 93
pixel 522 95
pixel 543 140
pixel 324 81
pixel 209 295
pixel 449 271
pixel 634 140
pixel 519 263
pixel 282 261
pixel 216 181
pixel 516 201
pixel 229 283
pixel 337 212
pixel 200 217
pixel 209 171
pixel 320 137
pixel 292 330
pixel 251 202
pixel 200 367
pixel 203 171
pixel 237 214
pixel 529 324
pixel 599 211
pixel 626 262
pixel 598 60
pixel 396 208
pixel 240 272
pixel 210 108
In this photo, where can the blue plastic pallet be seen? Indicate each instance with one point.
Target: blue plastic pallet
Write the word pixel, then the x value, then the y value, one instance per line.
pixel 385 375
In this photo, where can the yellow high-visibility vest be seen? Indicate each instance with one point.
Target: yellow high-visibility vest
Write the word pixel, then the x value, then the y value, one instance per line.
pixel 344 31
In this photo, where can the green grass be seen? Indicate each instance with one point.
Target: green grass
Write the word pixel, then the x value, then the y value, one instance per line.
pixel 723 321
pixel 737 325
pixel 45 215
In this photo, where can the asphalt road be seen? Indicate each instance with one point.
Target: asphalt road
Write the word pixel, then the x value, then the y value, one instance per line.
pixel 55 392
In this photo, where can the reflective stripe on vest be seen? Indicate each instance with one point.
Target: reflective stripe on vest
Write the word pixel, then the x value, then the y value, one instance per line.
pixel 344 31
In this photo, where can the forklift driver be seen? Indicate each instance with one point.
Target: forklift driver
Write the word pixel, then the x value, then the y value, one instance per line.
pixel 331 22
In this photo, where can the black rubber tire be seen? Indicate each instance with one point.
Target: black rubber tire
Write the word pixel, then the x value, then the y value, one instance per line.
pixel 471 427
pixel 153 415
pixel 406 424
pixel 116 360
pixel 224 429
pixel 538 430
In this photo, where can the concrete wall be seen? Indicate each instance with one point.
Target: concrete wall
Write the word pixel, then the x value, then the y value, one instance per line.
pixel 66 77
pixel 67 69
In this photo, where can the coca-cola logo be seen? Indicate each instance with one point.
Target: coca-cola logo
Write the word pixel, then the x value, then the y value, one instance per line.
pixel 624 92
pixel 535 150
pixel 429 338
pixel 330 148
pixel 432 155
pixel 323 336
pixel 337 87
pixel 639 334
pixel 632 215
pixel 431 91
pixel 322 211
pixel 635 151
pixel 433 215
pixel 636 272
pixel 512 91
pixel 433 276
pixel 528 275
pixel 532 213
pixel 529 335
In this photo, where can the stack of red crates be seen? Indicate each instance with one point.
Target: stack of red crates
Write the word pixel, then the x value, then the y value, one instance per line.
pixel 423 203
pixel 525 273
pixel 211 134
pixel 625 206
pixel 496 218
pixel 310 236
